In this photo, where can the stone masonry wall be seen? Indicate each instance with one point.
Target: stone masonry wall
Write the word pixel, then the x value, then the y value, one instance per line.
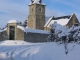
pixel 35 37
pixel 72 21
pixel 36 18
pixel 3 36
pixel 19 34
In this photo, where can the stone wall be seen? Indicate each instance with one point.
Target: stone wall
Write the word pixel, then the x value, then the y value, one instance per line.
pixel 36 17
pixel 35 37
pixel 72 21
pixel 3 36
pixel 31 36
pixel 19 34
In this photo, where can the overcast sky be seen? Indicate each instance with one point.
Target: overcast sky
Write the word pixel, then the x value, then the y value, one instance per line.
pixel 18 9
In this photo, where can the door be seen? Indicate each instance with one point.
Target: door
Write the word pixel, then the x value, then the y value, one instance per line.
pixel 12 33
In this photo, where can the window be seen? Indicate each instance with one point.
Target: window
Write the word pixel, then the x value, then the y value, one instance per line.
pixel 39 9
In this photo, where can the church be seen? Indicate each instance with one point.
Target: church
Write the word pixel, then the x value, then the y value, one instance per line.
pixel 36 28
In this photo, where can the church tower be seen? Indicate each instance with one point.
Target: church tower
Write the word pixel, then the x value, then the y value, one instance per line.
pixel 36 17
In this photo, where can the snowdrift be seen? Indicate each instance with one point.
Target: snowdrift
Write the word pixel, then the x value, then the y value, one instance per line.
pixel 20 50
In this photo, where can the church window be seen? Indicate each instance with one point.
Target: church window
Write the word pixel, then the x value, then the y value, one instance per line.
pixel 39 9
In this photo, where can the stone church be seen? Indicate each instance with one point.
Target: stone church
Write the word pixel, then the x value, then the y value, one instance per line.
pixel 36 28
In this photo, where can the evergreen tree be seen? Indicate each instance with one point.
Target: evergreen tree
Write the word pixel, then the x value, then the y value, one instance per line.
pixel 25 23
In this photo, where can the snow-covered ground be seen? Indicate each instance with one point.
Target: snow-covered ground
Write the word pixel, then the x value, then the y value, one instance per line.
pixel 20 50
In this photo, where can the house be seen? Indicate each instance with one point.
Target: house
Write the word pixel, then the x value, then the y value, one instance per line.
pixel 35 28
pixel 67 21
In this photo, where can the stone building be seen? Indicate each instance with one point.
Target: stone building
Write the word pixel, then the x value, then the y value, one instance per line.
pixel 35 28
pixel 36 17
pixel 67 21
pixel 17 32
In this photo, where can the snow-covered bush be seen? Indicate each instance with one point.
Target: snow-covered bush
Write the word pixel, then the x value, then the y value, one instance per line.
pixel 74 33
pixel 63 35
pixel 57 32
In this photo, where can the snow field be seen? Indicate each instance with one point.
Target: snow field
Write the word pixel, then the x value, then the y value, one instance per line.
pixel 37 51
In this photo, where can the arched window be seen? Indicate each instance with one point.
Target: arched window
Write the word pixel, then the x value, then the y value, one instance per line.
pixel 39 9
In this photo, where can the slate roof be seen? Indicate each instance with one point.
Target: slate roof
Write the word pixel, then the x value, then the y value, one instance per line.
pixel 62 20
pixel 62 17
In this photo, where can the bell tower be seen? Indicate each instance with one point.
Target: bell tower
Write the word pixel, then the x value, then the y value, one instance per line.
pixel 36 17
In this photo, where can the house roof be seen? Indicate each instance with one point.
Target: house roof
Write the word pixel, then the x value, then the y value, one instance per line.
pixel 62 17
pixel 63 20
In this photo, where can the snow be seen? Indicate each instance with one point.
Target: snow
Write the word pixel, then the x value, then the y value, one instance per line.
pixel 61 33
pixel 21 27
pixel 36 2
pixel 79 35
pixel 12 43
pixel 62 21
pixel 38 51
pixel 3 30
pixel 59 28
pixel 12 21
pixel 36 31
pixel 32 30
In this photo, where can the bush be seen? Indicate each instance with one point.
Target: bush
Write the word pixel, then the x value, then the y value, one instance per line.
pixel 64 35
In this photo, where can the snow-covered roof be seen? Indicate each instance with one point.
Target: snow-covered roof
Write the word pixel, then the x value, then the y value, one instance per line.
pixel 36 2
pixel 60 21
pixel 1 30
pixel 12 21
pixel 63 20
pixel 32 30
